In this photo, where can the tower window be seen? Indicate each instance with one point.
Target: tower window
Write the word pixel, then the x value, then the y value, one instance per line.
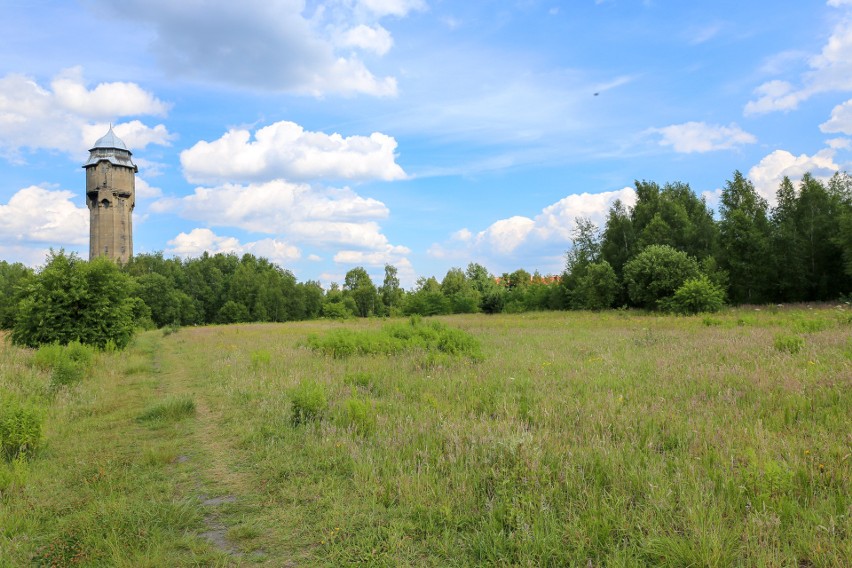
pixel 105 203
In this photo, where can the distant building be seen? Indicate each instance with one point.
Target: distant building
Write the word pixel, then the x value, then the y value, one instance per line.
pixel 110 196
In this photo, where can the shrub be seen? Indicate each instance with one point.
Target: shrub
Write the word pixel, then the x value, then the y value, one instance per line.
pixel 309 402
pixel 359 414
pixel 656 273
pixel 596 289
pixel 791 344
pixel 67 364
pixel 696 295
pixel 336 310
pixel 20 428
pixel 260 358
pixel 395 338
pixel 73 300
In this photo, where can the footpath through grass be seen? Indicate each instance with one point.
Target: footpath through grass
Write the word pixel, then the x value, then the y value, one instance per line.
pixel 568 439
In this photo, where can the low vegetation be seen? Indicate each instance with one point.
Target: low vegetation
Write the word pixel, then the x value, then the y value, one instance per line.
pixel 573 439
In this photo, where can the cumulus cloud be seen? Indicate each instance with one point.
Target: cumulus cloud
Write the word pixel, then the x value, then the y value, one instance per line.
pixel 841 119
pixel 265 44
pixel 198 241
pixel 59 117
pixel 397 8
pixel 38 215
pixel 768 173
pixel 830 70
pixel 106 99
pixel 369 38
pixel 276 206
pixel 700 137
pixel 326 216
pixel 144 190
pixel 285 150
pixel 552 227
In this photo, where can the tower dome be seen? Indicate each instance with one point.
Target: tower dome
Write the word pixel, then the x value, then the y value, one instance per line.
pixel 111 148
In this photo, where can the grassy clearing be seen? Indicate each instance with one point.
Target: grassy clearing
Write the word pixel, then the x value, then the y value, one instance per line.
pixel 614 439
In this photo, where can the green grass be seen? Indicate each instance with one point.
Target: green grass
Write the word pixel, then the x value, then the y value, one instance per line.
pixel 571 439
pixel 168 411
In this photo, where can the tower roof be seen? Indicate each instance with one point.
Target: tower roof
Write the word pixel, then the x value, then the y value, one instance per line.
pixel 110 140
pixel 111 148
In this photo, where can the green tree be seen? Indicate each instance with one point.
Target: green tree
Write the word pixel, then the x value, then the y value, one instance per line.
pixel 787 254
pixel 656 273
pixel 390 291
pixel 13 280
pixel 597 288
pixel 745 241
pixel 73 300
pixel 358 286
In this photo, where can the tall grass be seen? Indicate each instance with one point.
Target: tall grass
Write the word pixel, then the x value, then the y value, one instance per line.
pixel 571 439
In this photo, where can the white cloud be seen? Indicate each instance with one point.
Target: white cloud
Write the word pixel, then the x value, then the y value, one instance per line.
pixel 198 241
pixel 841 119
pixel 375 38
pixel 505 235
pixel 27 255
pixel 272 207
pixel 390 255
pixel 397 8
pixel 556 222
pixel 279 45
pixel 135 134
pixel 146 191
pixel 105 100
pixel 700 137
pixel 35 117
pixel 830 70
pixel 285 150
pixel 38 215
pixel 320 216
pixel 768 173
pixel 552 227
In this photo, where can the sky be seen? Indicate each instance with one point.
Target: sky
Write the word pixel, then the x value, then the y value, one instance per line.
pixel 426 134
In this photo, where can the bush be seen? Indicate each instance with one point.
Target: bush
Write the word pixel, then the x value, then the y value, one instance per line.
pixel 695 296
pixel 309 402
pixel 67 364
pixel 360 415
pixel 396 338
pixel 791 344
pixel 336 310
pixel 73 300
pixel 20 428
pixel 656 273
pixel 596 289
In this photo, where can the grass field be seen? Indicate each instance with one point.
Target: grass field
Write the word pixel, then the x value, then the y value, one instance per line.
pixel 545 439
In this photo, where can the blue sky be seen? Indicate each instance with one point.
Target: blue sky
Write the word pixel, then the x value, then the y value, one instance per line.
pixel 422 133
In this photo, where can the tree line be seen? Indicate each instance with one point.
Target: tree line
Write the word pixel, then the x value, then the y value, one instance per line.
pixel 666 252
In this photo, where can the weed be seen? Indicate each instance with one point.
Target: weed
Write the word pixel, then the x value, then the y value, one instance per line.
pixel 359 414
pixel 260 358
pixel 791 344
pixel 21 427
pixel 169 411
pixel 170 329
pixel 308 401
pixel 396 338
pixel 711 321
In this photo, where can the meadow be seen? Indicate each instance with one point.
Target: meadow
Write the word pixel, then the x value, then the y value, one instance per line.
pixel 541 439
